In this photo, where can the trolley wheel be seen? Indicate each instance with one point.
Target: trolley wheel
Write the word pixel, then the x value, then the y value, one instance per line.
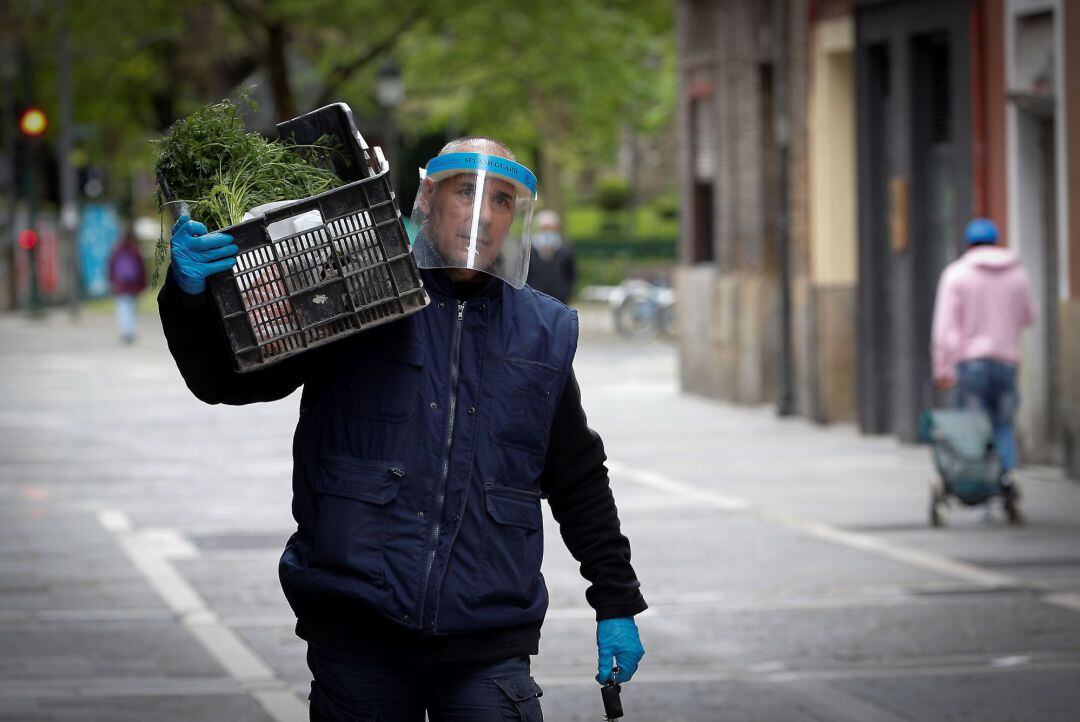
pixel 1013 513
pixel 936 519
pixel 1011 504
pixel 937 501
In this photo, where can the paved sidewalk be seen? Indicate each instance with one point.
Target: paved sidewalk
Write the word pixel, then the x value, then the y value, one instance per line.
pixel 789 567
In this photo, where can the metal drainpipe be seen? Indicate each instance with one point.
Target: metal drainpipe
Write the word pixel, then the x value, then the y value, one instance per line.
pixel 785 403
pixel 978 109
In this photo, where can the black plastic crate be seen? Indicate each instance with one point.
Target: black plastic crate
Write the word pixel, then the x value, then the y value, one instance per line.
pixel 349 271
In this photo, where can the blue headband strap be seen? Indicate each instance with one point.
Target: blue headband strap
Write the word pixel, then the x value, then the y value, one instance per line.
pixel 476 162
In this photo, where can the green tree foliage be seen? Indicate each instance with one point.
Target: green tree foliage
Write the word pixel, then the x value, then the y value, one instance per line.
pixel 612 193
pixel 118 51
pixel 557 79
pixel 564 77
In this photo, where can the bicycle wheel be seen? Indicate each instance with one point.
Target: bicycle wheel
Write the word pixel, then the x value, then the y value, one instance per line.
pixel 637 317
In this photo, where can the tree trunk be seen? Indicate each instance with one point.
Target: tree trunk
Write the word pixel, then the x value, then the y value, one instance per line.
pixel 278 69
pixel 550 180
pixel 162 99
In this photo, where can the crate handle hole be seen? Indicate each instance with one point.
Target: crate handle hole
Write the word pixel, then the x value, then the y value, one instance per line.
pixel 294 224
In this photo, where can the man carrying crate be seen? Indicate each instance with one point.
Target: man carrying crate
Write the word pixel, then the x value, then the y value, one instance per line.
pixel 423 449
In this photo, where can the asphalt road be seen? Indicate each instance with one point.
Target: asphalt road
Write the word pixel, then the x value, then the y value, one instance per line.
pixel 789 567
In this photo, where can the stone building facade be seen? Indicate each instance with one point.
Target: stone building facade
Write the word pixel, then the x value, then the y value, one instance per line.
pixel 906 119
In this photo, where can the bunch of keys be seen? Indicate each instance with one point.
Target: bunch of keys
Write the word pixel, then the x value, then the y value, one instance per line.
pixel 610 694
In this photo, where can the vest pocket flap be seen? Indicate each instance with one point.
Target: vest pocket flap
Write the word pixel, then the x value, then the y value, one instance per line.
pixel 367 480
pixel 514 508
pixel 410 354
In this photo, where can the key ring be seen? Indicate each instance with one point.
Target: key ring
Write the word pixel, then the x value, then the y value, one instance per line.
pixel 610 694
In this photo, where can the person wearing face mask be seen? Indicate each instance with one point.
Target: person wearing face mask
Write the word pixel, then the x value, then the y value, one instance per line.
pixel 422 453
pixel 551 265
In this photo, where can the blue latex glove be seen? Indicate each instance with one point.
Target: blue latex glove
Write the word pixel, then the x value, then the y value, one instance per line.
pixel 197 254
pixel 618 638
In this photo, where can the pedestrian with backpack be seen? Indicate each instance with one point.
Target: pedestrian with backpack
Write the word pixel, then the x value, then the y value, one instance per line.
pixel 127 279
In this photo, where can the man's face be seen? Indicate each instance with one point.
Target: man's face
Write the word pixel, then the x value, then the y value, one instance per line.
pixel 456 216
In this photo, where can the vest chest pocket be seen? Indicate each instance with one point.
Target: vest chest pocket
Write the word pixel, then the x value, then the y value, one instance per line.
pixel 384 387
pixel 523 404
pixel 355 497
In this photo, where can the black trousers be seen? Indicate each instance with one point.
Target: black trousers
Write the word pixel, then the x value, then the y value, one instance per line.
pixel 368 685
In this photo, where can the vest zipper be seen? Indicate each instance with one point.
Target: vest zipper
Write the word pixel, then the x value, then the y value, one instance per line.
pixel 440 497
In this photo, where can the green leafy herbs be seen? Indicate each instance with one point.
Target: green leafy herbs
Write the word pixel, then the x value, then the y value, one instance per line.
pixel 212 163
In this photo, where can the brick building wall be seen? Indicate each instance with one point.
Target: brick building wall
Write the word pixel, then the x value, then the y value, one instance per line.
pixel 729 297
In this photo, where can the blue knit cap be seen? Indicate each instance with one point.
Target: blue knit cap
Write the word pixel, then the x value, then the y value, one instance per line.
pixel 981 231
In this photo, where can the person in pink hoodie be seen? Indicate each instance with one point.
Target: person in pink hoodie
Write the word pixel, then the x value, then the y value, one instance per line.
pixel 983 304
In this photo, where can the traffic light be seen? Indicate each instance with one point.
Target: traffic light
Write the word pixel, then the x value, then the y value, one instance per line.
pixel 28 239
pixel 33 122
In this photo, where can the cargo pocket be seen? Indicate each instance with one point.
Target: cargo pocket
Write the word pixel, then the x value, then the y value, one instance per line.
pixel 355 496
pixel 513 546
pixel 522 699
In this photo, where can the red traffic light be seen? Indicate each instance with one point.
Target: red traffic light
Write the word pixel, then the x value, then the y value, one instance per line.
pixel 33 122
pixel 28 238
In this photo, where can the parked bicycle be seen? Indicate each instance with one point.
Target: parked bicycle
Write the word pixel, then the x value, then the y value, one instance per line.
pixel 644 310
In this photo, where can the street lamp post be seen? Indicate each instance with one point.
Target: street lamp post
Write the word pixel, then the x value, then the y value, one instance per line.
pixel 69 210
pixel 32 125
pixel 389 93
pixel 7 112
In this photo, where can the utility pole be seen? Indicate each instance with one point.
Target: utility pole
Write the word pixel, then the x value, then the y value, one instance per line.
pixel 7 241
pixel 30 142
pixel 389 94
pixel 632 186
pixel 785 404
pixel 69 209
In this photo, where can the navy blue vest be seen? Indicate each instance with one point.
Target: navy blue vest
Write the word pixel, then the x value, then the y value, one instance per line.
pixel 417 460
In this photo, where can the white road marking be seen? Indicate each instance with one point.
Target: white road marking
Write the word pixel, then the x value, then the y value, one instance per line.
pixel 169 543
pixel 150 553
pixel 692 603
pixel 1015 660
pixel 836 705
pixel 180 596
pixel 671 674
pixel 282 704
pixel 97 687
pixel 115 522
pixel 660 482
pixel 1065 600
pixel 929 561
pixel 100 615
pixel 570 613
pixel 229 650
pixel 876 545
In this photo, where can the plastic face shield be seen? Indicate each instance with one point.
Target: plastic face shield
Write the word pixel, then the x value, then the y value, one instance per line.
pixel 474 211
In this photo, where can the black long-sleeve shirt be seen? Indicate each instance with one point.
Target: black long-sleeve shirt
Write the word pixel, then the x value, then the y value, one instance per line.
pixel 574 480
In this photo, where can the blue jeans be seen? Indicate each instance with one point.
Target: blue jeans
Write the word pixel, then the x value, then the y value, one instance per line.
pixel 991 386
pixel 125 315
pixel 367 686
